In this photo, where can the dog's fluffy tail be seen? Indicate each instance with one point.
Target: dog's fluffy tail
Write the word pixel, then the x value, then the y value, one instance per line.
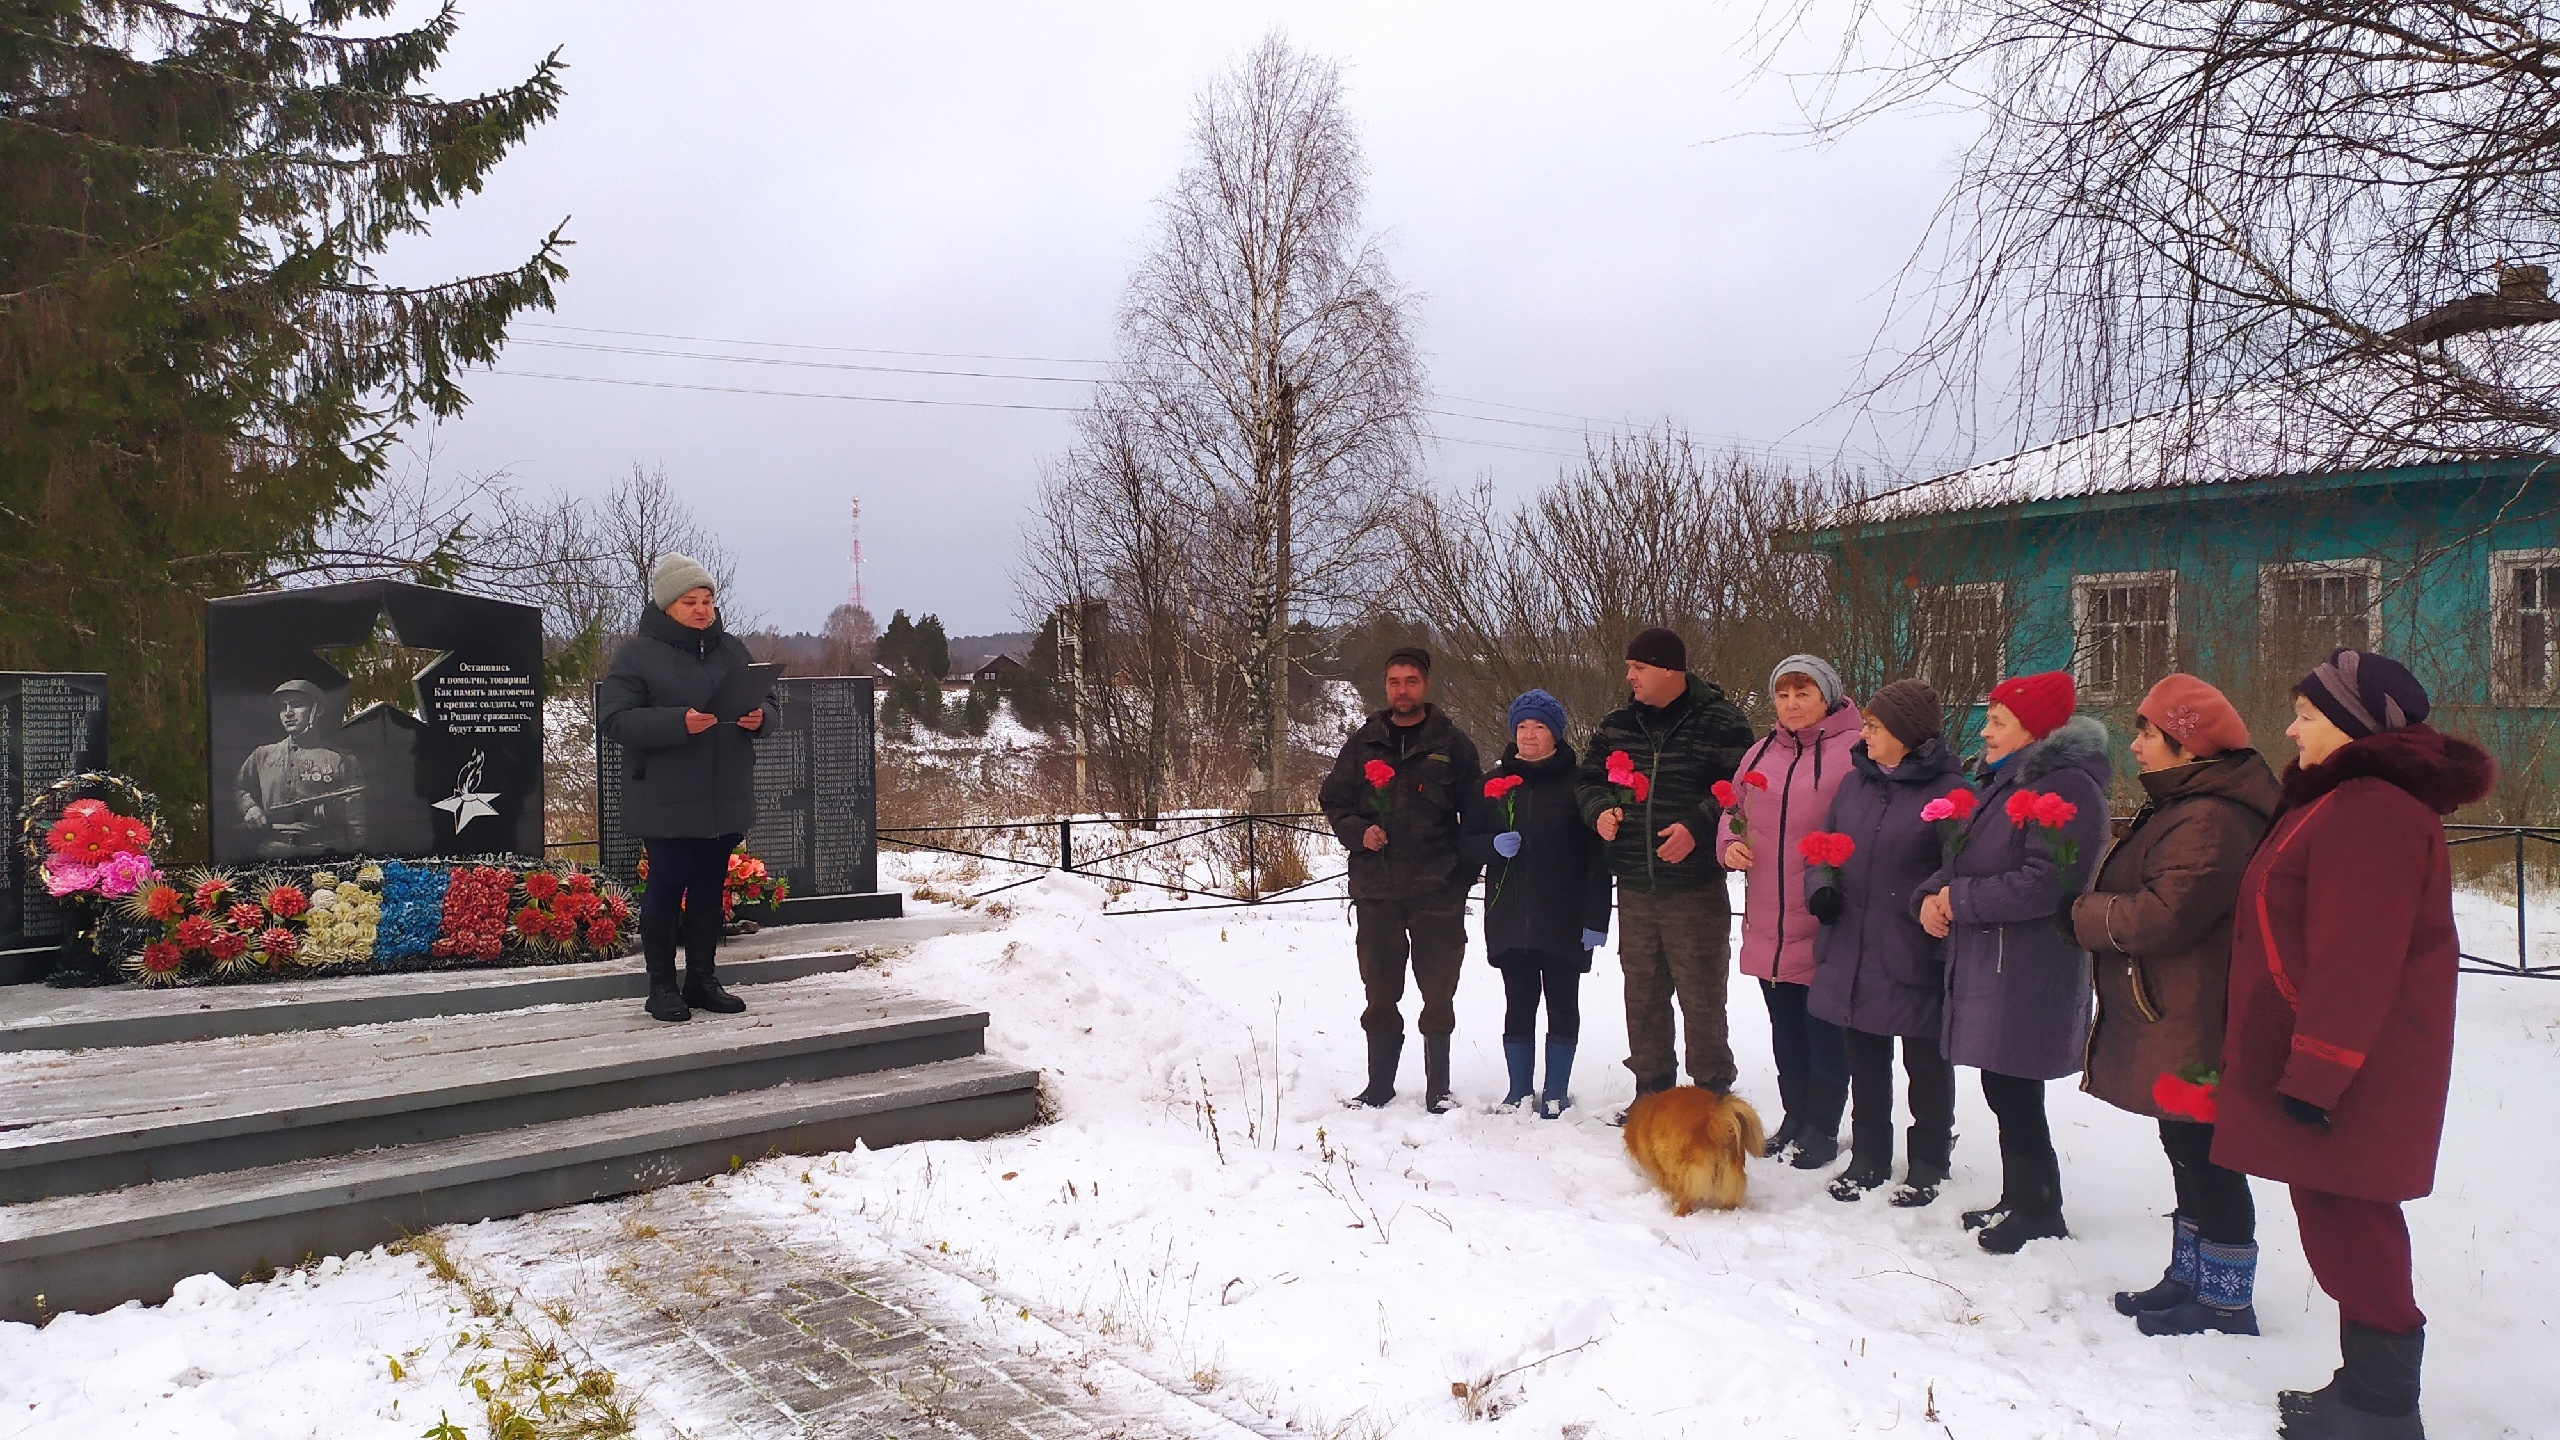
pixel 1755 1142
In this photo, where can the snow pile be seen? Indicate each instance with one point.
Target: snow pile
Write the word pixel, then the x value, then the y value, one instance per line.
pixel 1204 1198
pixel 306 1355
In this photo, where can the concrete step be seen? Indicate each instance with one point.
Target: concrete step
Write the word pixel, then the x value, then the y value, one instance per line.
pixel 92 1252
pixel 91 1120
pixel 33 1017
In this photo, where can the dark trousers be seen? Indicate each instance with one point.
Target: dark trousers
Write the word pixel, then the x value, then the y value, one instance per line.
pixel 1808 1051
pixel 2030 1173
pixel 1932 1088
pixel 1527 975
pixel 1676 943
pixel 689 872
pixel 2217 1199
pixel 1431 933
pixel 2359 1252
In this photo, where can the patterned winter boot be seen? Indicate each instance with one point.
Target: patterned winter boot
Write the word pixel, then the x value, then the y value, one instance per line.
pixel 2177 1283
pixel 2226 1282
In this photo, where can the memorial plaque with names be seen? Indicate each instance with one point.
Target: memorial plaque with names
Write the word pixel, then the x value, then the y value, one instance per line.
pixel 373 718
pixel 50 726
pixel 816 801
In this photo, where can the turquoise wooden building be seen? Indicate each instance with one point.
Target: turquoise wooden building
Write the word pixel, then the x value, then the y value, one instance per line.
pixel 2243 539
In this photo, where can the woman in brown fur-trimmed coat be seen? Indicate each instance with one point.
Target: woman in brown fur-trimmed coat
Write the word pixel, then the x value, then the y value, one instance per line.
pixel 2158 929
pixel 2339 1047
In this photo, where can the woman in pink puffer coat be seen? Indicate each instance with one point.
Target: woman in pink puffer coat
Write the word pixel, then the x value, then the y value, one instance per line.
pixel 1803 761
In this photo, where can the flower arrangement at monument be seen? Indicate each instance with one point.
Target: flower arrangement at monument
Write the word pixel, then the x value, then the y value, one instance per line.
pixel 750 884
pixel 97 838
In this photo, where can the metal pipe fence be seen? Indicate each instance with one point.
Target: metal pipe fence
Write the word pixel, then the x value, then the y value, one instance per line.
pixel 1046 845
pixel 2519 837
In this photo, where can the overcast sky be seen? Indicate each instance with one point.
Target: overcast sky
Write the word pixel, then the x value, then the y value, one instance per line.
pixel 1587 198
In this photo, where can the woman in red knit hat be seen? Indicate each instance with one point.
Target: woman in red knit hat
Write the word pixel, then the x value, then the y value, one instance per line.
pixel 2017 986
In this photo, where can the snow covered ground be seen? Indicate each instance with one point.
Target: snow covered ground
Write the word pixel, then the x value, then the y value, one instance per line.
pixel 1204 1202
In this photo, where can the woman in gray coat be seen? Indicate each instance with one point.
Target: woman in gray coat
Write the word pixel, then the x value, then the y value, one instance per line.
pixel 2017 984
pixel 688 781
pixel 1877 974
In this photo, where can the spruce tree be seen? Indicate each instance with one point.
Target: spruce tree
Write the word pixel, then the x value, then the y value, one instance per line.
pixel 198 366
pixel 896 644
pixel 930 655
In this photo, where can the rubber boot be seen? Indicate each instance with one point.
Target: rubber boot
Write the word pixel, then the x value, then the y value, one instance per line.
pixel 1818 1140
pixel 2177 1283
pixel 1521 1058
pixel 1384 1052
pixel 2226 1283
pixel 1435 1075
pixel 701 965
pixel 1552 1100
pixel 658 952
pixel 2373 1396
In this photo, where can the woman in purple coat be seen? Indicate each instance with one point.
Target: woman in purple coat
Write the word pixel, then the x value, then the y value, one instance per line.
pixel 1877 974
pixel 2018 987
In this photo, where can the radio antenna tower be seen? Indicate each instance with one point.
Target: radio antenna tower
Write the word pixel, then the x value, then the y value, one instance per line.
pixel 854 596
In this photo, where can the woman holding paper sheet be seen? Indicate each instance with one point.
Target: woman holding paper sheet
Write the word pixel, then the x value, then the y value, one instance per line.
pixel 688 782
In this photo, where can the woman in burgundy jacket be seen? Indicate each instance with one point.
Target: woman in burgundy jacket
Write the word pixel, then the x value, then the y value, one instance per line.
pixel 2339 1044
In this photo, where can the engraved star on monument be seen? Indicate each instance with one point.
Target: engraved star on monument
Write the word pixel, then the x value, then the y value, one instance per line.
pixel 381 671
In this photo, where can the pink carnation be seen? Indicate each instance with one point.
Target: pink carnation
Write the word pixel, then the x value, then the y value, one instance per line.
pixel 1937 810
pixel 68 877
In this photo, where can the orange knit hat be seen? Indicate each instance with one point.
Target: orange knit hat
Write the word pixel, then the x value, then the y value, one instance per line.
pixel 2041 702
pixel 2195 715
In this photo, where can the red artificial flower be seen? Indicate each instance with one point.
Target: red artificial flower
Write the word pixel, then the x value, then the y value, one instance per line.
pixel 227 944
pixel 286 901
pixel 1642 785
pixel 1379 774
pixel 2022 808
pixel 83 809
pixel 1620 766
pixel 195 933
pixel 1501 785
pixel 279 943
pixel 2186 1098
pixel 618 907
pixel 1828 848
pixel 2053 812
pixel 1756 780
pixel 209 894
pixel 541 885
pixel 163 903
pixel 1961 802
pixel 532 921
pixel 160 957
pixel 602 933
pixel 1726 795
pixel 581 883
pixel 245 917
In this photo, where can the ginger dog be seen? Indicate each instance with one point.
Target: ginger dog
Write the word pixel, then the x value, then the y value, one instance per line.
pixel 1692 1142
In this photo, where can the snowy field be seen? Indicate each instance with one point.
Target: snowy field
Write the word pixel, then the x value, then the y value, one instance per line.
pixel 1204 1204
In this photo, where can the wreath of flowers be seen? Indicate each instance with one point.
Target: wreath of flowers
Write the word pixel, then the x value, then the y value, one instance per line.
pixel 750 883
pixel 560 910
pixel 475 914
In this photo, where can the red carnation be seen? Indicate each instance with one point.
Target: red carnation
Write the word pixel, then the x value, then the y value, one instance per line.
pixel 2053 812
pixel 286 901
pixel 1501 785
pixel 195 932
pixel 1620 765
pixel 1379 773
pixel 541 885
pixel 1642 785
pixel 1961 802
pixel 1725 794
pixel 164 903
pixel 602 933
pixel 2022 808
pixel 1755 780
pixel 2190 1099
pixel 245 917
pixel 160 957
pixel 581 883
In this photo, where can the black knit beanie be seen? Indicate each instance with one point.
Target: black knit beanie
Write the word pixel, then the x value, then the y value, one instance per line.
pixel 1909 710
pixel 1660 648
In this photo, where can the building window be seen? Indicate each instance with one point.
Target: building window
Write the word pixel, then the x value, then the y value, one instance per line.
pixel 1961 635
pixel 2308 610
pixel 2524 613
pixel 2125 631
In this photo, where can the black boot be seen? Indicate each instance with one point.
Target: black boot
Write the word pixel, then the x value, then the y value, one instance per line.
pixel 1865 1173
pixel 1818 1142
pixel 1790 1118
pixel 701 968
pixel 1384 1052
pixel 1435 1075
pixel 658 952
pixel 2373 1396
pixel 2038 1216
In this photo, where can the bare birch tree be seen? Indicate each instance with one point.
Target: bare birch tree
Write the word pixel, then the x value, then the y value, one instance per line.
pixel 1266 360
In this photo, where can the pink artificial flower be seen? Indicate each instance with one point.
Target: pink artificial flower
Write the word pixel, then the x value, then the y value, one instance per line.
pixel 68 877
pixel 126 872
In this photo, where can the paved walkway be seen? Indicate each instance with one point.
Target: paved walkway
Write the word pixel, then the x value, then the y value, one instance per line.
pixel 726 1328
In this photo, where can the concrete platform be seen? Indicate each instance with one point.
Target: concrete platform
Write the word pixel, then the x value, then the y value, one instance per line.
pixel 89 1120
pixel 34 1017
pixel 89 1253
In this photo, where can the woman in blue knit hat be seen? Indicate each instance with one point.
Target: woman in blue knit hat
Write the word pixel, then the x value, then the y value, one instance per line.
pixel 1547 890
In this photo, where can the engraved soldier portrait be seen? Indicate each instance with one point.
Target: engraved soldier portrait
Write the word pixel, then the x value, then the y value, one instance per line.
pixel 295 797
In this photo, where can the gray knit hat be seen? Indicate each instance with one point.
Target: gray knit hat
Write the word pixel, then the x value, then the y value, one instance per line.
pixel 674 575
pixel 1815 669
